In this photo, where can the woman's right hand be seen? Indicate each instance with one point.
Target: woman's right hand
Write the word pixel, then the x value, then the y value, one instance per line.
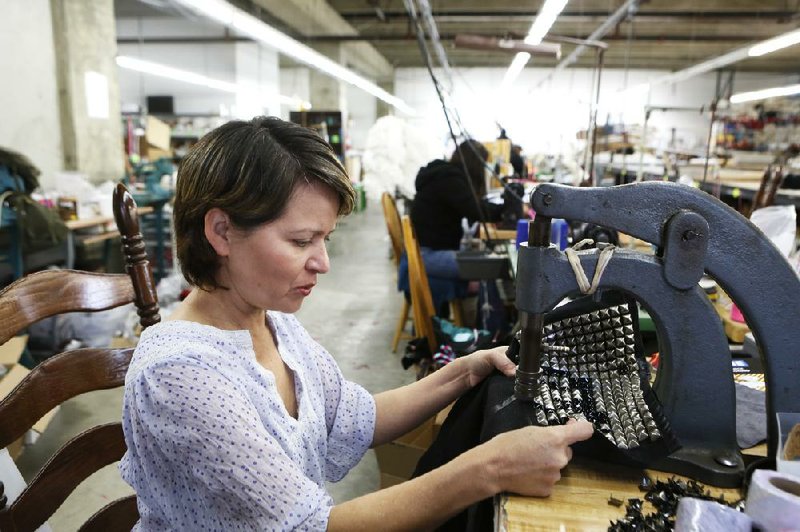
pixel 528 461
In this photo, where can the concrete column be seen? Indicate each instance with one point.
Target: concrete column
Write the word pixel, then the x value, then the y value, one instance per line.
pixel 383 108
pixel 328 93
pixel 295 82
pixel 257 71
pixel 85 43
pixel 30 122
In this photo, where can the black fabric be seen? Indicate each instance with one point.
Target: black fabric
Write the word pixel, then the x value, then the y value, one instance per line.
pixel 751 416
pixel 461 431
pixel 490 409
pixel 443 198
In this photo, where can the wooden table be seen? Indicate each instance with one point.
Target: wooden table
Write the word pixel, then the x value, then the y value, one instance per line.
pixel 580 499
pixel 106 224
pixel 497 234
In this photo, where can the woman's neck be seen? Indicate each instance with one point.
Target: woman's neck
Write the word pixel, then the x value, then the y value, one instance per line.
pixel 217 308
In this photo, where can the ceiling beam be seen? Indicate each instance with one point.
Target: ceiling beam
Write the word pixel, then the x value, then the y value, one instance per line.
pixel 384 37
pixel 456 15
pixel 307 17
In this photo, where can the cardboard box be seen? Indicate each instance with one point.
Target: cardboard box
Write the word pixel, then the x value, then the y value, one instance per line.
pixel 10 353
pixel 398 459
pixel 156 142
pixel 157 133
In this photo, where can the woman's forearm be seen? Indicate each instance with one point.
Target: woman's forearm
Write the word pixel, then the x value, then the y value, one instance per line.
pixel 423 502
pixel 402 409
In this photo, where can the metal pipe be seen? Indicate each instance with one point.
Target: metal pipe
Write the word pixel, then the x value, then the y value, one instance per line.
pixel 526 382
pixel 596 35
pixel 600 52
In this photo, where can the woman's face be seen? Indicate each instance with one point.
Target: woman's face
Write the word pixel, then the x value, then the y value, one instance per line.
pixel 275 266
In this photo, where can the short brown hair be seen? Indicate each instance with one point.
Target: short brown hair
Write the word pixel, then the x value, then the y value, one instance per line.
pixel 248 169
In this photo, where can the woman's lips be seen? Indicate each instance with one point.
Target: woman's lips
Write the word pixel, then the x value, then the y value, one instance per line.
pixel 305 290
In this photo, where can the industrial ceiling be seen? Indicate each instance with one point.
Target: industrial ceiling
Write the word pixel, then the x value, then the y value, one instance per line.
pixel 655 34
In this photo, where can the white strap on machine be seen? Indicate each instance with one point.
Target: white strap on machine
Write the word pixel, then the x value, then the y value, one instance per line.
pixel 606 251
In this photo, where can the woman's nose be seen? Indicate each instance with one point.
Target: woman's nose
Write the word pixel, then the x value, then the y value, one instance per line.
pixel 319 261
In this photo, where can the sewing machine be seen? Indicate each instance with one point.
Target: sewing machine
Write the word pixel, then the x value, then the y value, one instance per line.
pixel 695 233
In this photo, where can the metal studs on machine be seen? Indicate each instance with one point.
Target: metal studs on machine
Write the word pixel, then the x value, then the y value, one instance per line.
pixel 589 369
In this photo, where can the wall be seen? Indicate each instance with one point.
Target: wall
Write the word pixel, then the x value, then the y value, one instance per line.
pixel 257 67
pixel 29 96
pixel 361 115
pixel 294 81
pixel 85 45
pixel 546 118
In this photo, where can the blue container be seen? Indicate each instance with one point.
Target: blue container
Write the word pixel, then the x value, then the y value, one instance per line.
pixel 559 233
pixel 522 231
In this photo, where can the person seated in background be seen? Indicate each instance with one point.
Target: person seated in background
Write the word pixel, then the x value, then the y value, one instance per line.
pixel 234 417
pixel 518 162
pixel 445 195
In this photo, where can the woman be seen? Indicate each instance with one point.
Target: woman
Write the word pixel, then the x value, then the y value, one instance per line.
pixel 234 417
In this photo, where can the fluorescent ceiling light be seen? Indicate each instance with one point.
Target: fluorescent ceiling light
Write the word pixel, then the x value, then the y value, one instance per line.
pixel 776 43
pixel 544 20
pixel 234 18
pixel 765 93
pixel 541 25
pixel 739 54
pixel 164 71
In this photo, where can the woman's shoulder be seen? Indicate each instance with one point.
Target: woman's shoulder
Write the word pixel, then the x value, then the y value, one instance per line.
pixel 186 342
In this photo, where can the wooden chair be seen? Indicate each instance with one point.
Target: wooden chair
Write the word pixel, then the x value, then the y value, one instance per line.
pixel 396 237
pixel 421 298
pixel 72 373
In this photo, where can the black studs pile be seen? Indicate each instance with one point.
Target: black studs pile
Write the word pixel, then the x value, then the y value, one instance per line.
pixel 664 496
pixel 589 368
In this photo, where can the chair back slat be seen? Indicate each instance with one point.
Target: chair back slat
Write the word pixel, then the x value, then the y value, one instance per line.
pixel 393 225
pixel 57 379
pixel 80 457
pixel 47 293
pixel 121 514
pixel 421 298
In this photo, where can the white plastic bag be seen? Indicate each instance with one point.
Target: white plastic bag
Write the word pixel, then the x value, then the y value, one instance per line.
pixel 779 223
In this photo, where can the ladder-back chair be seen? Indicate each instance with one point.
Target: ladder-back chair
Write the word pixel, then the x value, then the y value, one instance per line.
pixel 66 375
pixel 421 299
pixel 396 237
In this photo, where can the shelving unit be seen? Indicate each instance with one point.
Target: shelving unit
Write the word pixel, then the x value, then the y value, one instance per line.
pixel 327 123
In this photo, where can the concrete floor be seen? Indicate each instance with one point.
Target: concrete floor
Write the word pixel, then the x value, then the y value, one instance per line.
pixel 352 313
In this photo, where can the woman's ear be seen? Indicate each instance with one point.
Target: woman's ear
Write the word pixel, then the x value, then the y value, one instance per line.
pixel 217 230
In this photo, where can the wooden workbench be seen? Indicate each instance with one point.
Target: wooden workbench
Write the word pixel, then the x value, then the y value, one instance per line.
pixel 580 499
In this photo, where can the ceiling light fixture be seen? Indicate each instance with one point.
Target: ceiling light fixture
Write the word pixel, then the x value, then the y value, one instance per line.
pixel 234 18
pixel 764 47
pixel 776 43
pixel 164 71
pixel 541 25
pixel 765 93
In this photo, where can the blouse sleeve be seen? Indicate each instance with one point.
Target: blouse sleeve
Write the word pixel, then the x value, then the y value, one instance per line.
pixel 202 456
pixel 350 417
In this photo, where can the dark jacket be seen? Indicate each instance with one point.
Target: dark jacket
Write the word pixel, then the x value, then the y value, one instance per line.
pixel 443 198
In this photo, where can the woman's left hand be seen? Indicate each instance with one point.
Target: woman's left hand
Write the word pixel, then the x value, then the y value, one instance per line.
pixel 480 364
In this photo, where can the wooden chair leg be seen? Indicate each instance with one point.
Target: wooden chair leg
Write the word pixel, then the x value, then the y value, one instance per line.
pixel 457 312
pixel 401 324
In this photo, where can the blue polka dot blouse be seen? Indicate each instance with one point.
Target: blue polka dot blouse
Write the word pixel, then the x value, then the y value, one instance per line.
pixel 210 443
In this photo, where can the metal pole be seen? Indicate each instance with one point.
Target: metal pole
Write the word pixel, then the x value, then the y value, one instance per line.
pixel 530 346
pixel 592 179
